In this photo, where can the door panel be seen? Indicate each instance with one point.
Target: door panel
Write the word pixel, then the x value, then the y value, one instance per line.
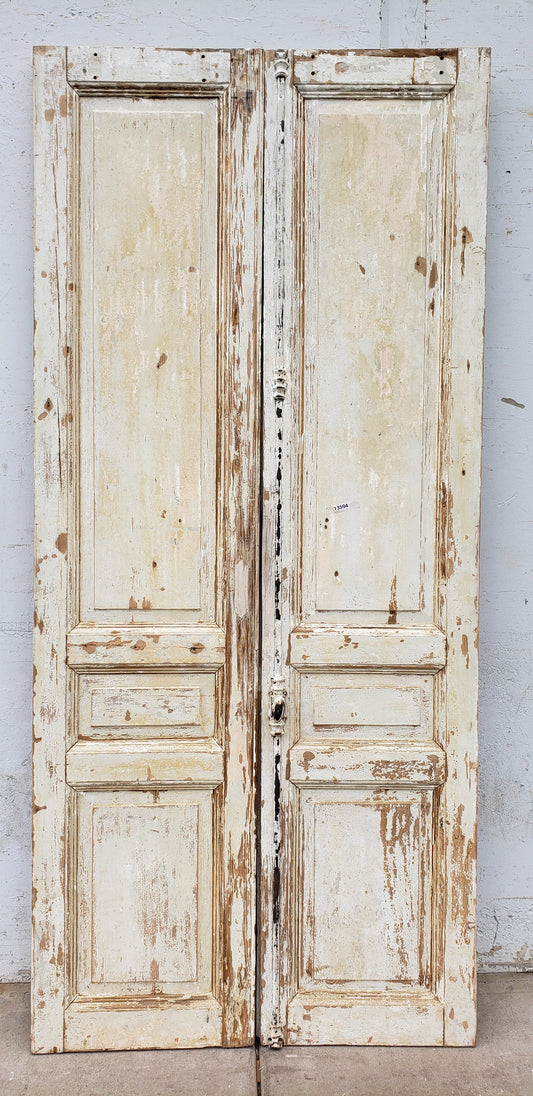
pixel 147 351
pixel 372 413
pixel 384 837
pixel 148 356
pixel 180 706
pixel 371 253
pixel 356 708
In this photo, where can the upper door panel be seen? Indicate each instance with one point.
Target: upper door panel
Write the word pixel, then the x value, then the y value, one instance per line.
pixel 372 305
pixel 149 213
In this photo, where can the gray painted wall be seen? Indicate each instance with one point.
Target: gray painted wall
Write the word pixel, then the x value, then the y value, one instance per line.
pixel 506 601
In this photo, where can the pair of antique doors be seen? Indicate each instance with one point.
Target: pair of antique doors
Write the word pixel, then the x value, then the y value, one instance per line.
pixel 259 315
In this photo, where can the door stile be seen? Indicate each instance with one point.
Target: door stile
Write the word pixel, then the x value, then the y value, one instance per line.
pixel 240 363
pixel 463 384
pixel 52 100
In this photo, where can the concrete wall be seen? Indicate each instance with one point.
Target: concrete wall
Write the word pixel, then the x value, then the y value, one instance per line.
pixel 506 644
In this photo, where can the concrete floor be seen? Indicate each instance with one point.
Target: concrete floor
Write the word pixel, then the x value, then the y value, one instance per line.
pixel 500 1065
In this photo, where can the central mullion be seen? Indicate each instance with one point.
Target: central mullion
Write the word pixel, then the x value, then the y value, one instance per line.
pixel 278 522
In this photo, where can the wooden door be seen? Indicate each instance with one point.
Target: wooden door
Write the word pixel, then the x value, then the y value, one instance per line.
pixel 147 334
pixel 375 180
pixel 149 288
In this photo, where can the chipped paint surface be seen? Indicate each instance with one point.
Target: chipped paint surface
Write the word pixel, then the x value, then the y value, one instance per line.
pixel 146 606
pixel 506 547
pixel 374 869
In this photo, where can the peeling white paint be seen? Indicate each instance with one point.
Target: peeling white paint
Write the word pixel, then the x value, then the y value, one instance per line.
pixel 506 598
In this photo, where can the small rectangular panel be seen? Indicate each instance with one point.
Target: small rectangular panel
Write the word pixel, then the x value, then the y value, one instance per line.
pixel 372 318
pixel 144 887
pixel 148 706
pixel 144 707
pixel 360 707
pixel 362 889
pixel 366 706
pixel 148 292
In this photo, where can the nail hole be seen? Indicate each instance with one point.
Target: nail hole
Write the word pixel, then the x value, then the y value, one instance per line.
pixel 336 574
pixel 313 73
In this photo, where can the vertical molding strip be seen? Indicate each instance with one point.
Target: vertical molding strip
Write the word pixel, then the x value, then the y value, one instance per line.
pixel 278 687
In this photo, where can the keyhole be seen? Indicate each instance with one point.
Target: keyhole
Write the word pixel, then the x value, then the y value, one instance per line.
pixel 278 711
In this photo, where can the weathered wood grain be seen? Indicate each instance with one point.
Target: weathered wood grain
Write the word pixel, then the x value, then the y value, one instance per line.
pixel 280 506
pixel 404 1019
pixel 462 395
pixel 239 378
pixel 166 948
pixel 52 106
pixel 354 705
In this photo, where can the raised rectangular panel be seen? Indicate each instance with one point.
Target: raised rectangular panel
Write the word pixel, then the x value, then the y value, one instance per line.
pixel 362 914
pixel 374 200
pixel 366 706
pixel 147 706
pixel 141 707
pixel 148 343
pixel 144 893
pixel 371 707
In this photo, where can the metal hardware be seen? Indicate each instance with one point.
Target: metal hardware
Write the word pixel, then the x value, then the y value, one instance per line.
pixel 278 705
